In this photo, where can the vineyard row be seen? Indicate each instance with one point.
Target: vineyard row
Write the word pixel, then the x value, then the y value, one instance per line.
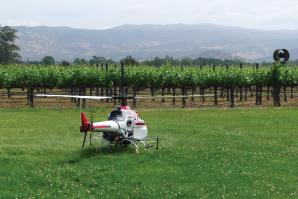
pixel 76 79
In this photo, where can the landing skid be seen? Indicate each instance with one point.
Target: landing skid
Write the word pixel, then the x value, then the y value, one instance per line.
pixel 146 143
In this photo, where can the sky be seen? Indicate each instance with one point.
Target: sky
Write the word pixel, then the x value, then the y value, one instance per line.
pixel 102 14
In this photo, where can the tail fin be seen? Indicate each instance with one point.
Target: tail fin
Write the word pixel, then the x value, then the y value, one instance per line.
pixel 85 125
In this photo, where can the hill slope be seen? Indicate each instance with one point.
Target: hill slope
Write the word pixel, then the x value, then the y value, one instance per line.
pixel 148 41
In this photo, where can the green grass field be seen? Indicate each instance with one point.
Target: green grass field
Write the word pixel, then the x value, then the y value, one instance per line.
pixel 204 153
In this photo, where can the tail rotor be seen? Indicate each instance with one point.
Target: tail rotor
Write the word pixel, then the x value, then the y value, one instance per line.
pixel 85 126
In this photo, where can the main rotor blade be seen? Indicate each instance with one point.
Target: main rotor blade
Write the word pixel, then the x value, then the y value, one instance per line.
pixel 117 97
pixel 171 96
pixel 75 96
pixel 120 97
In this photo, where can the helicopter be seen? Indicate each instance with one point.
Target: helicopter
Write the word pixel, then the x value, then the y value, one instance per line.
pixel 123 126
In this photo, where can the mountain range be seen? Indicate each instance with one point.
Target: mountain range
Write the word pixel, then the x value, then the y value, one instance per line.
pixel 149 41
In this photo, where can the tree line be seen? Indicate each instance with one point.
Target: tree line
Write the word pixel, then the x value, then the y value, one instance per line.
pixel 131 61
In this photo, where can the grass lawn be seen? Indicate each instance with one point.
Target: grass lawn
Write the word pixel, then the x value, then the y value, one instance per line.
pixel 204 153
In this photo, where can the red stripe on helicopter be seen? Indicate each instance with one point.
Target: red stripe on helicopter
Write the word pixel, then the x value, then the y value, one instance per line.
pixel 140 123
pixel 101 126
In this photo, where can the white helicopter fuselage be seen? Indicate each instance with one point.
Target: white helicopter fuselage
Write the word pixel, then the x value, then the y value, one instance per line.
pixel 124 126
pixel 123 122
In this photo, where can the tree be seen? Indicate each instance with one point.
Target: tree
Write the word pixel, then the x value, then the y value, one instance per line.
pixel 65 63
pixel 130 61
pixel 100 60
pixel 186 62
pixel 8 48
pixel 48 60
pixel 97 60
pixel 79 61
pixel 157 62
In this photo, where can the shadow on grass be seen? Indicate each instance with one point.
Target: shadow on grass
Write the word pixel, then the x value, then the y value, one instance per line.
pixel 90 152
pixel 106 150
